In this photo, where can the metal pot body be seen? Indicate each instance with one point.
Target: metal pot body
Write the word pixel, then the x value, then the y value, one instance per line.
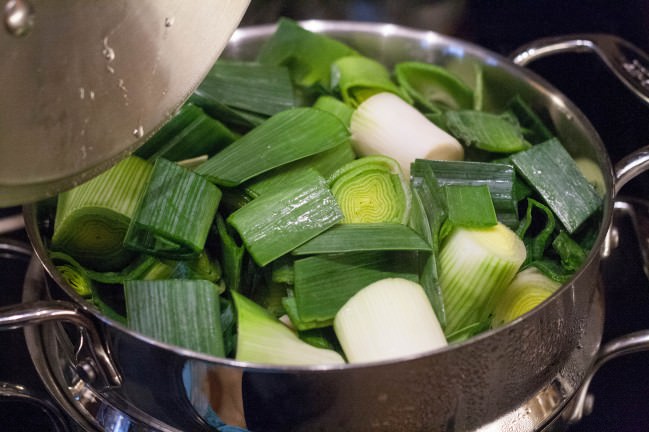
pixel 517 378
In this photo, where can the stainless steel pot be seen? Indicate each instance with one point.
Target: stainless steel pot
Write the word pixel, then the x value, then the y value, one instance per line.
pixel 529 375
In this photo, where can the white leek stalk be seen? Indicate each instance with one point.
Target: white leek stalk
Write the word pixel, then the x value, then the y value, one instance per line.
pixel 386 124
pixel 475 266
pixel 529 288
pixel 388 319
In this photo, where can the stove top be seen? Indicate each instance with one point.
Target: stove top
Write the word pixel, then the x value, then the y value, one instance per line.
pixel 621 386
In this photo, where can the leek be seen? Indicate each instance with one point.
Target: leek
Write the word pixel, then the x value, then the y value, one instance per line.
pixel 552 172
pixel 486 131
pixel 386 124
pixel 190 133
pixel 359 237
pixel 432 87
pixel 358 78
pixel 261 338
pixel 336 107
pixel 283 138
pixel 308 55
pixel 178 312
pixel 529 288
pixel 92 219
pixel 372 189
pixel 529 120
pixel 386 320
pixel 470 206
pixel 324 282
pixel 475 266
pixel 175 213
pixel 274 224
pixel 499 177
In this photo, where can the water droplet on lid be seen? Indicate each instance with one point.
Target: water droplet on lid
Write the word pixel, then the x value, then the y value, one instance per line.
pixel 138 132
pixel 169 21
pixel 18 17
pixel 107 51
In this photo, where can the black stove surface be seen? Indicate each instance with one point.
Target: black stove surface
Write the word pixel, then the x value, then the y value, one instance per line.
pixel 621 387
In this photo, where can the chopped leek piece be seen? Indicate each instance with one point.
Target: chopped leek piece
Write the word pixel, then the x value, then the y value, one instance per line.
pixel 326 163
pixel 248 87
pixel 308 55
pixel 358 78
pixel 529 120
pixel 592 172
pixel 386 320
pixel 135 270
pixel 290 306
pixel 92 219
pixel 336 107
pixel 274 224
pixel 486 131
pixel 75 277
pixel 470 206
pixel 174 216
pixel 538 241
pixel 261 338
pixel 285 137
pixel 190 133
pixel 475 266
pixel 202 267
pixel 358 237
pixel 178 312
pixel 529 288
pixel 499 177
pixel 323 283
pixel 433 87
pixel 572 255
pixel 372 189
pixel 550 170
pixel 385 124
pixel 231 255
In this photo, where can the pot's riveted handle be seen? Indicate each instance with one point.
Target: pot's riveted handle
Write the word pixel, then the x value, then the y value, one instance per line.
pixel 629 63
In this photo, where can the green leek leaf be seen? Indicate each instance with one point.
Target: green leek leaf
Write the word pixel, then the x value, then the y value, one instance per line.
pixel 274 224
pixel 552 172
pixel 308 55
pixel 470 206
pixel 180 312
pixel 432 87
pixel 486 131
pixel 358 237
pixel 357 78
pixel 174 216
pixel 285 137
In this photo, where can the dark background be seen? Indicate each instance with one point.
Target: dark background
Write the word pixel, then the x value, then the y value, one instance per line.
pixel 621 388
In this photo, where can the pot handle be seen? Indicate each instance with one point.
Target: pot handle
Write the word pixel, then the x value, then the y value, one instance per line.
pixel 37 312
pixel 629 63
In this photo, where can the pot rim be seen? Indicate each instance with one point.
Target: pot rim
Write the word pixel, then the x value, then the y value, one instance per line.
pixel 428 37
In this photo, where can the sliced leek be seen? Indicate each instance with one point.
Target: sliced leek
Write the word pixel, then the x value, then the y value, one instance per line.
pixel 261 338
pixel 358 78
pixel 529 288
pixel 285 137
pixel 92 219
pixel 386 124
pixel 486 131
pixel 372 189
pixel 475 266
pixel 178 312
pixel 175 213
pixel 386 320
pixel 433 87
pixel 552 172
pixel 274 224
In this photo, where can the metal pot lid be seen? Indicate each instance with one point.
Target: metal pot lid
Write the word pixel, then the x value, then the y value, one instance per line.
pixel 85 82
